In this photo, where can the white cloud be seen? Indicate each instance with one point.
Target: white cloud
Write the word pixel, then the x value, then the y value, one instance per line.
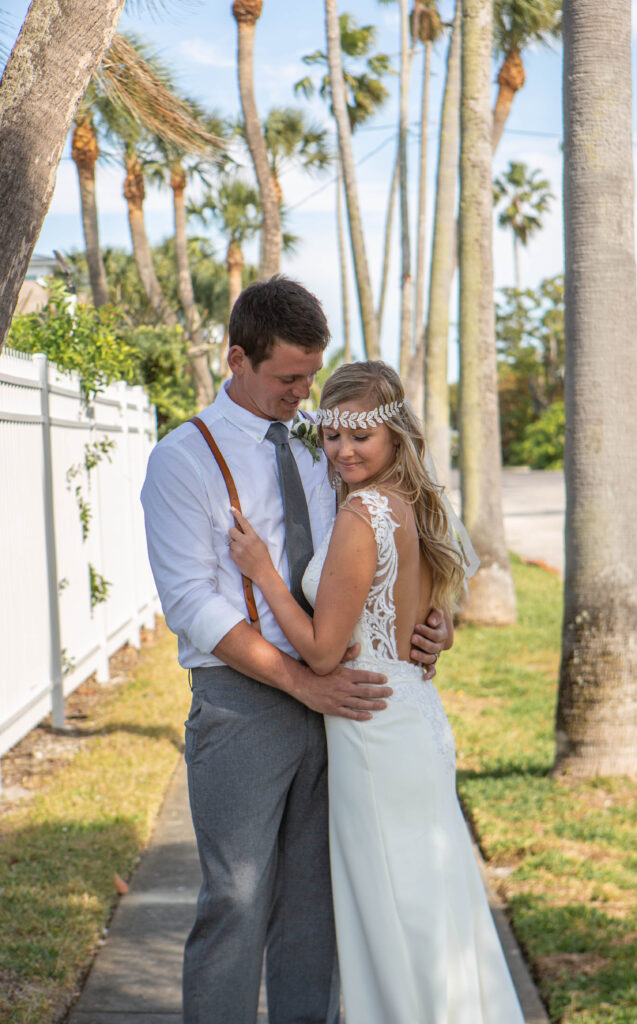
pixel 201 52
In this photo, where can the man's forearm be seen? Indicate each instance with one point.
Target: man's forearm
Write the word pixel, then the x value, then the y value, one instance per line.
pixel 245 650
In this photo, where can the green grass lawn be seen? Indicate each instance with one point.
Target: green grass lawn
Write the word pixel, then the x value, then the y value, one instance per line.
pixel 59 851
pixel 566 850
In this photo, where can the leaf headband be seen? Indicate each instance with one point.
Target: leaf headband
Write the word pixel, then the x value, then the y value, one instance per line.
pixel 357 420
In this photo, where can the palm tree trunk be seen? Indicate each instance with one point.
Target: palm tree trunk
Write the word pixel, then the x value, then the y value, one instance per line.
pixel 134 192
pixel 234 266
pixel 61 45
pixel 516 261
pixel 200 368
pixel 406 280
pixel 510 79
pixel 491 595
pixel 361 268
pixel 415 381
pixel 246 13
pixel 443 263
pixel 342 260
pixel 389 220
pixel 597 703
pixel 85 152
pixel 419 319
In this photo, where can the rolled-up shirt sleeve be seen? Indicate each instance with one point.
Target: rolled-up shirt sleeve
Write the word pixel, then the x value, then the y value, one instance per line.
pixel 181 549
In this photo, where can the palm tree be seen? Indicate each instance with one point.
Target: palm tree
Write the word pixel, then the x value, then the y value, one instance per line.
pixel 524 198
pixel 365 92
pixel 339 108
pixel 246 14
pixel 236 208
pixel 597 710
pixel 425 26
pixel 516 24
pixel 62 48
pixel 290 140
pixel 139 105
pixel 85 153
pixel 175 168
pixel 491 594
pixel 443 261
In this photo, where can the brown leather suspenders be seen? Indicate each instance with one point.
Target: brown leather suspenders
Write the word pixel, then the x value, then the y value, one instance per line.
pixel 248 592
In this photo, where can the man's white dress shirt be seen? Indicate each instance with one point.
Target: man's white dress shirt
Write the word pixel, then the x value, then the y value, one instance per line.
pixel 187 511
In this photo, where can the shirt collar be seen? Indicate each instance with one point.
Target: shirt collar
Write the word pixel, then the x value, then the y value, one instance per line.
pixel 255 426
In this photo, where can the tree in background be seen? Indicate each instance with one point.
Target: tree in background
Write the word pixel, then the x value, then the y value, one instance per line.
pixel 596 719
pixel 246 14
pixel 339 108
pixel 62 47
pixel 491 595
pixel 365 92
pixel 175 167
pixel 516 25
pixel 523 197
pixel 426 27
pixel 530 342
pixel 443 262
pixel 236 209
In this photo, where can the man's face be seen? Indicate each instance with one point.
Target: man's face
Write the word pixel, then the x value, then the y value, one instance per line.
pixel 276 386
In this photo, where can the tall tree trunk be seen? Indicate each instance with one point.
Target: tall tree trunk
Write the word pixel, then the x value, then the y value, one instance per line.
pixel 510 79
pixel 342 260
pixel 419 318
pixel 134 193
pixel 443 263
pixel 597 702
pixel 415 383
pixel 339 106
pixel 198 357
pixel 234 266
pixel 85 152
pixel 61 43
pixel 246 13
pixel 389 220
pixel 406 280
pixel 491 595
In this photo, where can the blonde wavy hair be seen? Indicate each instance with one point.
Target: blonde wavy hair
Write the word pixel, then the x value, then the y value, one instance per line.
pixel 376 383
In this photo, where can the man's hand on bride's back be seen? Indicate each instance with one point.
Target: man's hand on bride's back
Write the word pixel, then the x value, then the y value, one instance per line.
pixel 345 692
pixel 430 638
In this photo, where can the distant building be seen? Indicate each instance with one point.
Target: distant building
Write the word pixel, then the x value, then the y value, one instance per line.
pixel 33 295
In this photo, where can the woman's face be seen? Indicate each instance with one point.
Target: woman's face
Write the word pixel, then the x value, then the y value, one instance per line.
pixel 359 454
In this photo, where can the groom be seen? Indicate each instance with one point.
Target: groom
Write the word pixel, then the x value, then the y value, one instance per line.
pixel 255 744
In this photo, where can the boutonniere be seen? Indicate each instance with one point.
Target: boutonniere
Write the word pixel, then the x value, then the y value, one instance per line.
pixel 306 432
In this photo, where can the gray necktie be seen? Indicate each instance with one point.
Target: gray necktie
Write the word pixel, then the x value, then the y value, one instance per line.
pixel 298 533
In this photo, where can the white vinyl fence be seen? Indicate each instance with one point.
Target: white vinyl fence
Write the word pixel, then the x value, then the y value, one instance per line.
pixel 69 535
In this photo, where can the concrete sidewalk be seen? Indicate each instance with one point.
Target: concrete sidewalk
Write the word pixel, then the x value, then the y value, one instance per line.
pixel 136 976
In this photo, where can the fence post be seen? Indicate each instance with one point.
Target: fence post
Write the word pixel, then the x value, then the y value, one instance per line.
pixel 133 584
pixel 55 655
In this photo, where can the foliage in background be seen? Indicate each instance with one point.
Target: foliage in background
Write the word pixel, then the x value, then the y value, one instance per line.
pixel 542 444
pixel 77 337
pixel 530 342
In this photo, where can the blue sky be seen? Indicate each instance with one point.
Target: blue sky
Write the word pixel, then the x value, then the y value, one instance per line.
pixel 198 40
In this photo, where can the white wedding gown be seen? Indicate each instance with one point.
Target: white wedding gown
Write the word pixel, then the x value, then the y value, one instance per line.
pixel 416 940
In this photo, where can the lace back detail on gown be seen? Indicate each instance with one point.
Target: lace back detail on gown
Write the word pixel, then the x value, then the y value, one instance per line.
pixel 378 619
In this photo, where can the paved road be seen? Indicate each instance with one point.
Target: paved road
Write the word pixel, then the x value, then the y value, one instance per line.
pixel 533 504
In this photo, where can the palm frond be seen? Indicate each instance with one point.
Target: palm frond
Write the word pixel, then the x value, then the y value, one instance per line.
pixel 144 99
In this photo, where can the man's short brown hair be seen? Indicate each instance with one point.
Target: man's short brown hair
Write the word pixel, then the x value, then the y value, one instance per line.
pixel 277 309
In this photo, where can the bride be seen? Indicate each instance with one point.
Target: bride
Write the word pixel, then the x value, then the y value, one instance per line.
pixel 416 941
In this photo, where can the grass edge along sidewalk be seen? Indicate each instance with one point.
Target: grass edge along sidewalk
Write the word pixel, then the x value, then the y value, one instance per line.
pixel 60 850
pixel 561 854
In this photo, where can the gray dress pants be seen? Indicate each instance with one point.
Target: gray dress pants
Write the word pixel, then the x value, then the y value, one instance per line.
pixel 257 777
